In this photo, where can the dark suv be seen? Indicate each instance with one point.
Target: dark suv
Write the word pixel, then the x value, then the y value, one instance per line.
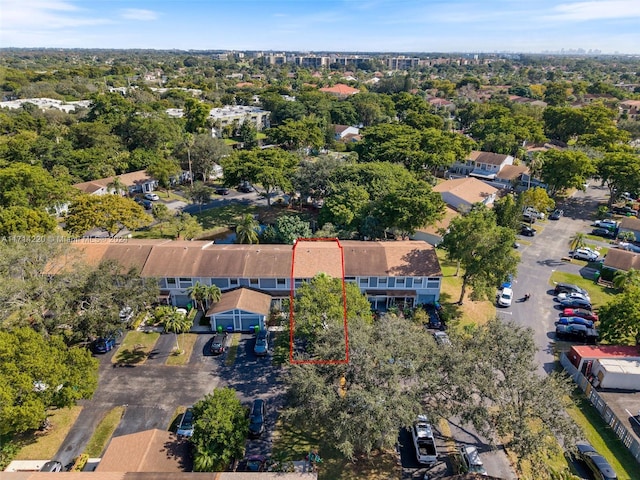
pixel 596 462
pixel 568 288
pixel 218 343
pixel 256 418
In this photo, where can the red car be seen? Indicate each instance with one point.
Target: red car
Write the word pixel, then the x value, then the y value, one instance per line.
pixel 580 312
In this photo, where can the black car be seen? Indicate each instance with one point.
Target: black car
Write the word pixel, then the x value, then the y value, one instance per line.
pixel 527 231
pixel 576 303
pixel 568 288
pixel 626 210
pixel 253 463
pixel 218 343
pixel 556 214
pixel 146 204
pixel 603 232
pixel 245 187
pixel 595 462
pixel 256 418
pixel 576 332
pixel 222 191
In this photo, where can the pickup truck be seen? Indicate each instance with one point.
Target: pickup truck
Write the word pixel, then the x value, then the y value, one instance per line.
pixel 423 441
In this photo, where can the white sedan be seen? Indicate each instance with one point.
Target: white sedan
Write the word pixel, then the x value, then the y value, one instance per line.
pixel 151 196
pixel 585 254
pixel 572 295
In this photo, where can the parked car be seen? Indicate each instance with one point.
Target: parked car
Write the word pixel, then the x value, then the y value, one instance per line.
pixel 626 210
pixel 606 223
pixel 585 254
pixel 245 187
pixel 218 343
pixel 126 314
pixel 256 418
pixel 603 232
pixel 185 427
pixel 435 321
pixel 556 214
pixel 104 344
pixel 568 287
pixel 527 231
pixel 505 297
pixel 261 347
pixel 146 204
pixel 222 191
pixel 575 303
pixel 575 321
pixel 579 312
pixel 583 296
pixel 529 217
pixel 575 332
pixel 471 460
pixel 252 463
pixel 598 465
pixel 151 196
pixel 534 212
pixel 51 466
pixel 442 338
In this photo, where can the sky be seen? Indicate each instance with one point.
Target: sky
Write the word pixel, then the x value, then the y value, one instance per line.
pixel 611 26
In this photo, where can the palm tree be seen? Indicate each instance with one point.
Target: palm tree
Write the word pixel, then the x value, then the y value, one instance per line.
pixel 117 186
pixel 577 241
pixel 624 280
pixel 198 293
pixel 212 294
pixel 247 230
pixel 176 322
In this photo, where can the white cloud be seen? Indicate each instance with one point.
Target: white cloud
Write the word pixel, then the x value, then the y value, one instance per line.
pixel 598 10
pixel 138 14
pixel 45 14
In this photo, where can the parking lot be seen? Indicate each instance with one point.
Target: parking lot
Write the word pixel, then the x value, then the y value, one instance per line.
pixel 152 392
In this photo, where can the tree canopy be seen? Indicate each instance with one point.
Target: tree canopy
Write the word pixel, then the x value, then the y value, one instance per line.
pixel 483 249
pixel 220 430
pixel 39 373
pixel 620 318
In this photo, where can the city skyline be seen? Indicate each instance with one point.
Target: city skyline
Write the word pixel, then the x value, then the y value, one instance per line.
pixel 465 26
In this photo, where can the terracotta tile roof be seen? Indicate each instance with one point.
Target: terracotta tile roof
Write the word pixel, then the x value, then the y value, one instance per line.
pixel 242 299
pixel 630 223
pixel 149 451
pixel 469 189
pixel 511 172
pixel 128 179
pixel 440 102
pixel 622 259
pixel 165 258
pixel 489 158
pixel 340 89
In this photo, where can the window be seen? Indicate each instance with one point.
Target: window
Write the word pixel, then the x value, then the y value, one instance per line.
pixel 363 282
pixel 373 282
pixel 220 282
pixel 382 281
pixel 409 283
pixel 185 282
pixel 350 279
pixel 417 282
pixel 400 282
pixel 171 282
pixel 254 282
pixel 233 282
pixel 433 282
pixel 281 282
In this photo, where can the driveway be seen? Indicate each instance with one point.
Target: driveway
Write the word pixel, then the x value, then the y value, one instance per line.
pixel 152 392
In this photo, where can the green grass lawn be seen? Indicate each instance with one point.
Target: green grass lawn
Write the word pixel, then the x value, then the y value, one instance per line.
pixel 103 432
pixel 603 438
pixel 225 216
pixel 135 348
pixel 232 353
pixel 599 295
pixel 186 342
pixel 45 446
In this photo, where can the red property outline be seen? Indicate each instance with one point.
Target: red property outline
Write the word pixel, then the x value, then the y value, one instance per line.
pixel 291 305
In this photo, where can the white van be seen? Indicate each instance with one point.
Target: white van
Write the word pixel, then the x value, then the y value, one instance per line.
pixel 505 297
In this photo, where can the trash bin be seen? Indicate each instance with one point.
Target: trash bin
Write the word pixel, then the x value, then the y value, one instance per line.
pixel 596 277
pixel 230 329
pixel 219 329
pixel 256 329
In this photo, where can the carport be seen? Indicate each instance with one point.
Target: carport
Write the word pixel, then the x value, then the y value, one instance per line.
pixel 240 310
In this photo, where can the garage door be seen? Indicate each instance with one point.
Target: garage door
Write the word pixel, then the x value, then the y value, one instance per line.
pixel 248 320
pixel 222 320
